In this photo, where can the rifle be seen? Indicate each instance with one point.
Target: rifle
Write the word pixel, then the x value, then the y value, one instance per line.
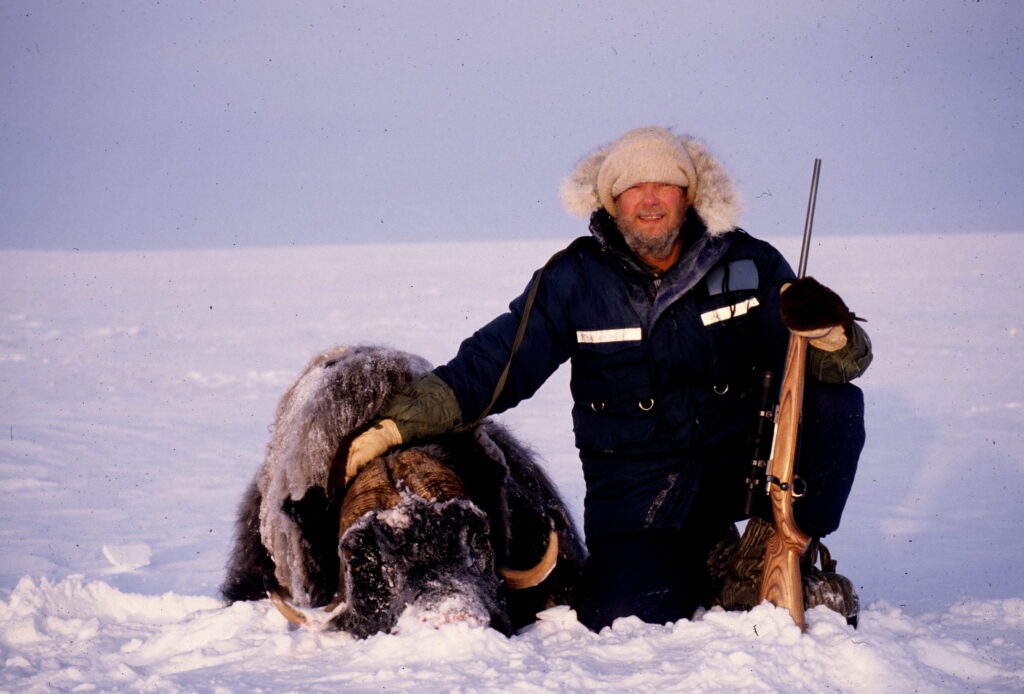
pixel 780 582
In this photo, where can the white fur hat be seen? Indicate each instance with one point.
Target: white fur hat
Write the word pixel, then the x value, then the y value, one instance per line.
pixel 715 199
pixel 644 155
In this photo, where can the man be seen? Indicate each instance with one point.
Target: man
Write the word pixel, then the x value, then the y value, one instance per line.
pixel 669 315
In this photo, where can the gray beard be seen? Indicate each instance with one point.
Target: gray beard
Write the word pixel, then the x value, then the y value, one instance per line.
pixel 657 247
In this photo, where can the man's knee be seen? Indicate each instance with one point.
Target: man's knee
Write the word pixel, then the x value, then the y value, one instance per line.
pixel 834 403
pixel 831 442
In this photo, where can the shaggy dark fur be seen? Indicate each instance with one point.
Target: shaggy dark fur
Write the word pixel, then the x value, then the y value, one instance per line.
pixel 809 305
pixel 250 571
pixel 522 506
pixel 382 564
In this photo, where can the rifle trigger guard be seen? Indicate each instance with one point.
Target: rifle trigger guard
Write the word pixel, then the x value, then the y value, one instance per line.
pixel 798 485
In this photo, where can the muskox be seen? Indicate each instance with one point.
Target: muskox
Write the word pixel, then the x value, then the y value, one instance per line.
pixel 460 526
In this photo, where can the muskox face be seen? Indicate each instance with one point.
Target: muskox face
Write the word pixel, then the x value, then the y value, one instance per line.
pixel 428 557
pixel 462 527
pixel 410 538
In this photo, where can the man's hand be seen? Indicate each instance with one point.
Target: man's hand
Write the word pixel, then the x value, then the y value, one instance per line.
pixel 372 443
pixel 812 310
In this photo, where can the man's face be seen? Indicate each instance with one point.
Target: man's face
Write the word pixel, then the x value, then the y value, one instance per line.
pixel 649 217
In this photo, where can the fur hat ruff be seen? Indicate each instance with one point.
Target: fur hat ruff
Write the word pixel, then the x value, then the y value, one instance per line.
pixel 644 155
pixel 714 197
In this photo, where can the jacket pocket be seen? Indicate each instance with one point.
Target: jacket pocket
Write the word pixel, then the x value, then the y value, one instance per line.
pixel 730 326
pixel 613 403
pixel 613 427
pixel 604 369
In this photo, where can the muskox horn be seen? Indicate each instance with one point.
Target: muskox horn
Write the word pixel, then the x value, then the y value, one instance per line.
pixel 518 579
pixel 286 609
pixel 426 476
pixel 377 486
pixel 372 490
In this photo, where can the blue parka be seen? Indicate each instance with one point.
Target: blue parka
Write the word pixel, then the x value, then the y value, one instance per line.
pixel 663 367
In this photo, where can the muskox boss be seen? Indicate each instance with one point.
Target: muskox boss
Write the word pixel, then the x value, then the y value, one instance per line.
pixel 460 526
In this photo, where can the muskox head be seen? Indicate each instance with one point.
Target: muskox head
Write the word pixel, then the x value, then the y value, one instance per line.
pixel 463 526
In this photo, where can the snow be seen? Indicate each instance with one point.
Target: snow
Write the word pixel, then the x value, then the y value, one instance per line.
pixel 136 389
pixel 127 557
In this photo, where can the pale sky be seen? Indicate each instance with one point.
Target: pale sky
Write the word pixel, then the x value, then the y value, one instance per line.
pixel 183 124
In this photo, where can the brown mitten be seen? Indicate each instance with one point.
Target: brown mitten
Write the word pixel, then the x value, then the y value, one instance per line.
pixel 812 310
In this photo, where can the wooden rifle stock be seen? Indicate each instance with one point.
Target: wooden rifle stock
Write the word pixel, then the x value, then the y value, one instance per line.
pixel 780 581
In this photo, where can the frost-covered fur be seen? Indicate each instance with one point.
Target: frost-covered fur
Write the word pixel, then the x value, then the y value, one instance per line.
pixel 289 540
pixel 338 394
pixel 717 201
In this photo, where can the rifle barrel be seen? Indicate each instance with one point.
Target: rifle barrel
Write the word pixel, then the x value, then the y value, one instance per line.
pixel 805 248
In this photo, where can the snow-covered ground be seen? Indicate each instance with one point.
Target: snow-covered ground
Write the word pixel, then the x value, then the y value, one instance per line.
pixel 136 389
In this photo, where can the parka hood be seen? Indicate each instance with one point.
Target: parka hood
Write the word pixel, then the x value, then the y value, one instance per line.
pixel 717 203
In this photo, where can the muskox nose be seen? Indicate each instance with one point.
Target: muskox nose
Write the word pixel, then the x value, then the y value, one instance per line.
pixel 435 610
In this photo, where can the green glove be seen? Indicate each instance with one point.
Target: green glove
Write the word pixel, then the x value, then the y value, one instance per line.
pixel 425 407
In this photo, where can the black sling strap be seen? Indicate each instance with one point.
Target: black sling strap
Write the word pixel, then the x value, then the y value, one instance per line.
pixel 520 332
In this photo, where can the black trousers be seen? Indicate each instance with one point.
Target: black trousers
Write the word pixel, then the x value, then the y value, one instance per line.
pixel 660 574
